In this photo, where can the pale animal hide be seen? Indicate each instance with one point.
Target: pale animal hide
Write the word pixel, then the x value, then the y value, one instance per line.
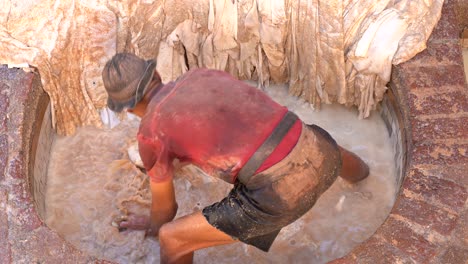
pixel 327 51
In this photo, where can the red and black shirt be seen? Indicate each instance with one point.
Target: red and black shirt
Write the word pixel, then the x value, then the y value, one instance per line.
pixel 212 120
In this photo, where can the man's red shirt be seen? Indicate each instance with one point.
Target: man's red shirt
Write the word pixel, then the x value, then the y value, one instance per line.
pixel 212 120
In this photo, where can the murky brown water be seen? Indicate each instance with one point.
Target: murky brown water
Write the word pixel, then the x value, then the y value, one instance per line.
pixel 91 181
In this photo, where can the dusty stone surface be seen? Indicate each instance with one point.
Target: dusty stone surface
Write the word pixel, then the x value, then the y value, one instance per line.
pixel 440 128
pixel 439 191
pixel 439 219
pixel 427 223
pixel 426 77
pixel 461 11
pixel 449 100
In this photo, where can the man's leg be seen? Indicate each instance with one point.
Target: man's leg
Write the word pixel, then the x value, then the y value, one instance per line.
pixel 180 238
pixel 353 168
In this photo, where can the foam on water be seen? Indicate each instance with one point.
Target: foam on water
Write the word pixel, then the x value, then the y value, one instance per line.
pixel 91 181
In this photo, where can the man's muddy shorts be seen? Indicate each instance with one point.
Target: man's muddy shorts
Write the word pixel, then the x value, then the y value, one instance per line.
pixel 254 212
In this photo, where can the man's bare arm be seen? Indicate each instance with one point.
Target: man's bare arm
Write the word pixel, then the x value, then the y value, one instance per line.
pixel 163 205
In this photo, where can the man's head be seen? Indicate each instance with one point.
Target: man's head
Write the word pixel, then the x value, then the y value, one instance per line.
pixel 126 78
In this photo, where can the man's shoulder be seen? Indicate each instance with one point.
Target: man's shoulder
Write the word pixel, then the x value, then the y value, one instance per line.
pixel 204 72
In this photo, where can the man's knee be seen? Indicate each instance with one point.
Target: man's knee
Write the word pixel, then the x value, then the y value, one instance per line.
pixel 353 168
pixel 167 236
pixel 176 246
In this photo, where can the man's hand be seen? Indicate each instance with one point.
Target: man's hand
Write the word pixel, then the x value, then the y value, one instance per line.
pixel 135 222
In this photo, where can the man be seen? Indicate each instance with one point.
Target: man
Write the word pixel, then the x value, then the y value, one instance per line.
pixel 279 166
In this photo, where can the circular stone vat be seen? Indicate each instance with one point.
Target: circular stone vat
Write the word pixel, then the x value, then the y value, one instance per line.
pixel 41 151
pixel 426 225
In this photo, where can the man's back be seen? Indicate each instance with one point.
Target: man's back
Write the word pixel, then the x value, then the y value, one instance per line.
pixel 209 118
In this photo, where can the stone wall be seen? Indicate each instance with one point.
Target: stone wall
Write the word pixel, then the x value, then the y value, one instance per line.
pixel 428 221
